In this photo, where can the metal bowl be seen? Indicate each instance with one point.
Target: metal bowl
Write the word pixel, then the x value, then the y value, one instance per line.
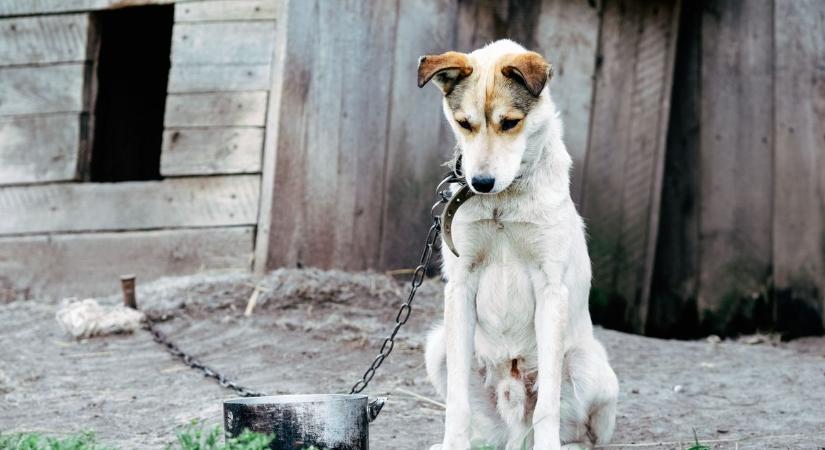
pixel 326 421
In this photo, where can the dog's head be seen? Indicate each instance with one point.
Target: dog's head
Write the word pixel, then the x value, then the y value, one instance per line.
pixel 496 102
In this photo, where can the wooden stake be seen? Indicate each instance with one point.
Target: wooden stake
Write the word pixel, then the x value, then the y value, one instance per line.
pixel 127 284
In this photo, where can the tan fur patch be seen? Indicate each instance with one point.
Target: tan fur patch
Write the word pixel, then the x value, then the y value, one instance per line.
pixel 450 67
pixel 528 68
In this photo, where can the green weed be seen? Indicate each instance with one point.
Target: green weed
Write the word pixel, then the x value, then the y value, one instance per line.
pixel 195 437
pixel 35 441
pixel 697 445
pixel 191 437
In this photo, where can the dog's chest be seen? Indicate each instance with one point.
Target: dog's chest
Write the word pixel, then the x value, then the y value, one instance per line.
pixel 504 260
pixel 505 307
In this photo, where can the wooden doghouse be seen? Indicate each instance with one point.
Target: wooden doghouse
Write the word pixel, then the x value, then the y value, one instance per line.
pixel 130 139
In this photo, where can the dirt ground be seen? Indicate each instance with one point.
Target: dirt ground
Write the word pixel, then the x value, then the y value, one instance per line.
pixel 316 331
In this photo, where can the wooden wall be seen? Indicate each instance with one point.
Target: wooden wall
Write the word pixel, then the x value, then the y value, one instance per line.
pixel 625 158
pixel 742 242
pixel 352 120
pixel 360 147
pixel 61 236
pixel 44 62
pixel 222 55
pixel 296 127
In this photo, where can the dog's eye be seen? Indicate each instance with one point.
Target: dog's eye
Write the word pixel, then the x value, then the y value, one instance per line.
pixel 507 124
pixel 465 124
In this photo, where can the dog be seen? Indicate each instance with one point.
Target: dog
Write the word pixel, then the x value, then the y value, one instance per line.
pixel 515 357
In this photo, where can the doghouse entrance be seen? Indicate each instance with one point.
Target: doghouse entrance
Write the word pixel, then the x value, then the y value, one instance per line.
pixel 132 73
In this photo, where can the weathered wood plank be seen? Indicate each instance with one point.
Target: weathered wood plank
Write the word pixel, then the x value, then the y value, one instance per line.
pixel 269 159
pixel 171 203
pixel 39 148
pixel 604 171
pixel 566 34
pixel 626 154
pixel 799 162
pixel 223 10
pixel 39 90
pixel 66 265
pixel 736 161
pixel 248 42
pixel 218 78
pixel 655 57
pixel 216 109
pixel 672 310
pixel 335 127
pixel 46 39
pixel 30 7
pixel 200 151
pixel 414 157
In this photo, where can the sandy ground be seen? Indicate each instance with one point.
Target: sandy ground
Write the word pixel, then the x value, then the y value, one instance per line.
pixel 316 332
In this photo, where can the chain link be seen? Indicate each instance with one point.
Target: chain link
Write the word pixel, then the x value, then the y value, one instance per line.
pixel 417 279
pixel 403 315
pixel 194 363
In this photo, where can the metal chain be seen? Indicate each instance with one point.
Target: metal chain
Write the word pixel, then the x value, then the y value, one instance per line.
pixel 418 277
pixel 389 342
pixel 194 363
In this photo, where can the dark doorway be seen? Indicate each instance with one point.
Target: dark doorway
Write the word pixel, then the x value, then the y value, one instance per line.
pixel 132 72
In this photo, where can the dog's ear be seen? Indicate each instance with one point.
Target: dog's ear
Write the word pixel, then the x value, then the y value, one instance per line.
pixel 529 69
pixel 447 69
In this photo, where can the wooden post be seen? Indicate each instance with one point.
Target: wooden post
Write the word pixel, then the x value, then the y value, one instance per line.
pixel 127 284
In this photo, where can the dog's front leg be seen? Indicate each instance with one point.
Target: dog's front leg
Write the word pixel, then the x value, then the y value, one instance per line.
pixel 550 323
pixel 459 327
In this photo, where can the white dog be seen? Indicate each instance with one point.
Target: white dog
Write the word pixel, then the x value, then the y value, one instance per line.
pixel 515 359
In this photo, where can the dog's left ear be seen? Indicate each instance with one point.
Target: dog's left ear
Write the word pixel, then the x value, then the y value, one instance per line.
pixel 529 69
pixel 447 68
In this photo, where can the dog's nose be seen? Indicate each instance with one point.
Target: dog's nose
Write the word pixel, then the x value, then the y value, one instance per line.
pixel 483 183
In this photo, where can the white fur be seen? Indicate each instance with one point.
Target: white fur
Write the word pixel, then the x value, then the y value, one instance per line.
pixel 519 292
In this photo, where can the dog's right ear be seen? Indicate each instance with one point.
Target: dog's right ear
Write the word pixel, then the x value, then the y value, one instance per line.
pixel 447 69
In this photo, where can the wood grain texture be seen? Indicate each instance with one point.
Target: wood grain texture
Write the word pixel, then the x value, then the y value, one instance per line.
pixel 40 90
pixel 246 42
pixel 626 155
pixel 414 156
pixel 42 40
pixel 672 310
pixel 604 171
pixel 799 162
pixel 269 159
pixel 566 34
pixel 218 78
pixel 86 264
pixel 202 151
pixel 736 158
pixel 216 109
pixel 224 10
pixel 29 7
pixel 39 148
pixel 334 124
pixel 171 203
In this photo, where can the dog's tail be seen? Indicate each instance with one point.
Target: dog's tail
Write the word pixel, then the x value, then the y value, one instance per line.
pixel 436 359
